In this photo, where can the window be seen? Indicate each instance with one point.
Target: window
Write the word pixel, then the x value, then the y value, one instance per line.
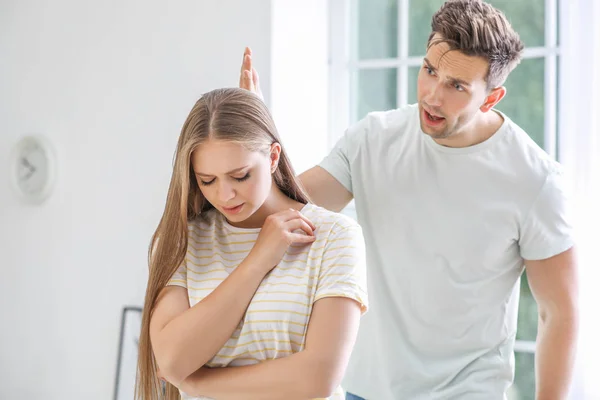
pixel 377 47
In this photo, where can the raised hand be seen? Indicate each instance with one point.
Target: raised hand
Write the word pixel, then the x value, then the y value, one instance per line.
pixel 248 75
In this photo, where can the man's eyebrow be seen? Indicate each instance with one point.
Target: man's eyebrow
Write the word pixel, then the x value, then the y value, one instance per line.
pixel 451 79
pixel 431 67
pixel 459 81
pixel 233 171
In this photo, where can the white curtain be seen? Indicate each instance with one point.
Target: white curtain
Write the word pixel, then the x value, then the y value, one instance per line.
pixel 579 149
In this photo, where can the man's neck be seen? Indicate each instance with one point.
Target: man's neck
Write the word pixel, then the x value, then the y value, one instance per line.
pixel 478 131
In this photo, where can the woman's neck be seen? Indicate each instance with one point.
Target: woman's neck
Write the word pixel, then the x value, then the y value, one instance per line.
pixel 276 201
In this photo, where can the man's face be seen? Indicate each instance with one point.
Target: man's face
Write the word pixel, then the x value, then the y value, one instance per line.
pixel 451 89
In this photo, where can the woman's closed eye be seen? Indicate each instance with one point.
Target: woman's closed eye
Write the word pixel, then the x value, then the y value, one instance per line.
pixel 204 183
pixel 240 179
pixel 243 178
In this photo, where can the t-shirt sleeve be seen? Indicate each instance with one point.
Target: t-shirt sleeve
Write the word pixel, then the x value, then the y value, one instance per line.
pixel 179 278
pixel 343 271
pixel 339 161
pixel 546 230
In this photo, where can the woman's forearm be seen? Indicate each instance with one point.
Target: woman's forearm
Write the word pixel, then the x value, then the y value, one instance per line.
pixel 315 372
pixel 190 340
pixel 298 377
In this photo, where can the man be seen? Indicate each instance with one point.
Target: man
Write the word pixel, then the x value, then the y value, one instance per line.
pixel 455 201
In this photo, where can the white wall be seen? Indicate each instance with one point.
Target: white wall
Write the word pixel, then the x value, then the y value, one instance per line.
pixel 299 65
pixel 109 83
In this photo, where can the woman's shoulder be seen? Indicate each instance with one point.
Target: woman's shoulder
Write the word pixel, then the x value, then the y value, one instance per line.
pixel 324 218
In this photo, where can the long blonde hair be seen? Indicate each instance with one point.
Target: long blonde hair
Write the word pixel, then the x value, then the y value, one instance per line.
pixel 234 115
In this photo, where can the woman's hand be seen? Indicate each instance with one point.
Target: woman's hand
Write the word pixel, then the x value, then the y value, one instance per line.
pixel 280 231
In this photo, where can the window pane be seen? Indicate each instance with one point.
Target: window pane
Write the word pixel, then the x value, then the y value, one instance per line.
pixel 377 29
pixel 524 385
pixel 376 91
pixel 413 74
pixel 419 24
pixel 524 100
pixel 528 314
pixel 526 17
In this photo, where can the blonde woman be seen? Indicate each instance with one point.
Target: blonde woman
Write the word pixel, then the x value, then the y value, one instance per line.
pixel 253 292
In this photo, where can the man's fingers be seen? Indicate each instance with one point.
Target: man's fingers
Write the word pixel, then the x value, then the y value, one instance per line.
pixel 248 81
pixel 244 67
pixel 255 77
pixel 246 63
pixel 245 60
pixel 243 81
pixel 247 73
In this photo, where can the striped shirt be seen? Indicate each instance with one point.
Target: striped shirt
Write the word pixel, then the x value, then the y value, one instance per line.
pixel 276 321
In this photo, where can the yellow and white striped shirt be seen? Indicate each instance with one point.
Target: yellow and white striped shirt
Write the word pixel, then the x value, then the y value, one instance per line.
pixel 276 321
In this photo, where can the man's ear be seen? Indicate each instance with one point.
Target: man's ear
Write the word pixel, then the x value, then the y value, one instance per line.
pixel 493 98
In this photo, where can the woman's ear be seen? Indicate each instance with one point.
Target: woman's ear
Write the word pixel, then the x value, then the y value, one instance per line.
pixel 274 156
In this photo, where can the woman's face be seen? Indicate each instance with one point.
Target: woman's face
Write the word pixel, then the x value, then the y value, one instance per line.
pixel 235 180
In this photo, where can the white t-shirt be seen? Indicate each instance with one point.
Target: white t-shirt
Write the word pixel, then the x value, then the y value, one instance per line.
pixel 276 321
pixel 447 231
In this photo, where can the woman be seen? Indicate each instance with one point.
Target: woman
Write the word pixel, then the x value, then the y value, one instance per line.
pixel 244 271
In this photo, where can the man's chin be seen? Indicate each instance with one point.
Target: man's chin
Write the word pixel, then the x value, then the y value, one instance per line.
pixel 431 133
